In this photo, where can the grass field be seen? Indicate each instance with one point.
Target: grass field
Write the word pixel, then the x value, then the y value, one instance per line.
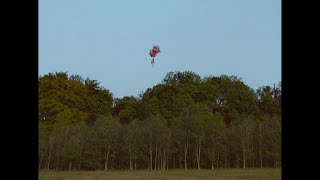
pixel 219 174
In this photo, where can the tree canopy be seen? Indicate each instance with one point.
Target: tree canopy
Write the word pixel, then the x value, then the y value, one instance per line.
pixel 185 121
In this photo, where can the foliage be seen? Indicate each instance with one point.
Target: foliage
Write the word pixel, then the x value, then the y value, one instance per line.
pixel 183 122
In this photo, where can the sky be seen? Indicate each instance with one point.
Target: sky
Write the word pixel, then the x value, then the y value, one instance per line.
pixel 109 40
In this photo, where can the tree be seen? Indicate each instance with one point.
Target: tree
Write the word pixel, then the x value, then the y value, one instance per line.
pixel 58 92
pixel 71 147
pixel 201 117
pixel 186 124
pixel 243 130
pixel 125 109
pixel 183 122
pixel 107 130
pixel 130 134
pixel 215 133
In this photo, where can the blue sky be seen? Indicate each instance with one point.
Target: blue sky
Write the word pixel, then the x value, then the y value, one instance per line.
pixel 109 40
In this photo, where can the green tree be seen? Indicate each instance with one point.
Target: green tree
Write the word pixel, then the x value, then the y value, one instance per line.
pixel 107 130
pixel 183 122
pixel 215 133
pixel 125 109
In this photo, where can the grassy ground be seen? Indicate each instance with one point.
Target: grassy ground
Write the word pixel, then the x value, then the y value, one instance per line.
pixel 219 174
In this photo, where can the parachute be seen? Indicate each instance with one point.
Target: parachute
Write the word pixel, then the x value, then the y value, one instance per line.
pixel 153 52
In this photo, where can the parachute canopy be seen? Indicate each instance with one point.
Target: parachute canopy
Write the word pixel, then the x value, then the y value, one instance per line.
pixel 154 51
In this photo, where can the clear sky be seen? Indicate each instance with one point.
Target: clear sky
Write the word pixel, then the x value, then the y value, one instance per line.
pixel 109 40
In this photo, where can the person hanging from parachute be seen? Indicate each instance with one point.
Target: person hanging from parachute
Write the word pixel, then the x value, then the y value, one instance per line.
pixel 153 52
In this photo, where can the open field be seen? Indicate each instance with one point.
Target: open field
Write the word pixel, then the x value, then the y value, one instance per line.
pixel 219 174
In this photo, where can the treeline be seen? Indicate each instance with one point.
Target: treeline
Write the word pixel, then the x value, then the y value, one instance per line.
pixel 183 122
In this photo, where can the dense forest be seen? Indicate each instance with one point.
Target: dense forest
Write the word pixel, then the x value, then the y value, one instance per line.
pixel 185 122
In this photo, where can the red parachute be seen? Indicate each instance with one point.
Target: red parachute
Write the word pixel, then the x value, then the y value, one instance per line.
pixel 153 52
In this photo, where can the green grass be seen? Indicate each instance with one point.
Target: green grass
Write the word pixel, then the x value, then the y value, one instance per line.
pixel 219 174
